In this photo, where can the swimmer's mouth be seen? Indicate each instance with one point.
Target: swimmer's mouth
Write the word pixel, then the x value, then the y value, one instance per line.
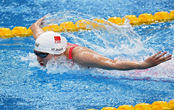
pixel 41 64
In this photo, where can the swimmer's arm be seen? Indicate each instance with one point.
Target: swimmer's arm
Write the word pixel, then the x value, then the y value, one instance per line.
pixel 99 61
pixel 36 28
pixel 92 59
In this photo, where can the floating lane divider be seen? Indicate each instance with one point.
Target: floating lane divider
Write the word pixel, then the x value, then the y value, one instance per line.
pixel 145 18
pixel 157 105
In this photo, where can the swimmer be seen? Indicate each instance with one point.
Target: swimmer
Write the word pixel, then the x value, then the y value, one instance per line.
pixel 50 45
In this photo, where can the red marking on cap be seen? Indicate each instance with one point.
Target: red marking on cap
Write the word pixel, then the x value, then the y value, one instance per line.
pixel 57 39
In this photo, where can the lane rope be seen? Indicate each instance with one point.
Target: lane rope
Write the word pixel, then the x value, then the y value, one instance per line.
pixel 157 105
pixel 145 18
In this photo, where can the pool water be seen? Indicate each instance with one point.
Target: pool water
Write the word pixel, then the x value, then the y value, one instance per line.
pixel 24 85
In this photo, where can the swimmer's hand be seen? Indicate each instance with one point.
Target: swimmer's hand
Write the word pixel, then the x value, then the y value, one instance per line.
pixel 40 22
pixel 155 59
pixel 36 27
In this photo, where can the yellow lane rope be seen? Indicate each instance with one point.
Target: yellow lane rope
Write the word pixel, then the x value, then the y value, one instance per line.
pixel 145 18
pixel 157 105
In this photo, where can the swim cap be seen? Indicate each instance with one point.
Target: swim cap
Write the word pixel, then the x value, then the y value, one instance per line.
pixel 51 42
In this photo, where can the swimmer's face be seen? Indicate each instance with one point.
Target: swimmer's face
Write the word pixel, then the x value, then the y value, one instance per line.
pixel 43 61
pixel 43 58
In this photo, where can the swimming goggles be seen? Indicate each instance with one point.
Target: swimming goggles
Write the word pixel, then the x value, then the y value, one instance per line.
pixel 41 54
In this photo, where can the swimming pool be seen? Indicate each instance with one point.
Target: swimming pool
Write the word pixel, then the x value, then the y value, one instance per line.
pixel 24 85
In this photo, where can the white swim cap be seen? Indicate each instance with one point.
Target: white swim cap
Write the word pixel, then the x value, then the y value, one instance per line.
pixel 51 42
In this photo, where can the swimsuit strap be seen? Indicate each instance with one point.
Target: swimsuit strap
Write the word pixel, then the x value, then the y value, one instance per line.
pixel 70 52
pixel 71 49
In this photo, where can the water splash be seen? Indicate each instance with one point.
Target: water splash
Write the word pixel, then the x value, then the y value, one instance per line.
pixel 54 66
pixel 32 59
pixel 61 65
pixel 121 42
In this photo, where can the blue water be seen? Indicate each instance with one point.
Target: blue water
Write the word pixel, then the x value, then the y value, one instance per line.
pixel 24 85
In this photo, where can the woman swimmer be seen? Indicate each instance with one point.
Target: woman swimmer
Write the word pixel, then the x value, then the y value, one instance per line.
pixel 52 45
